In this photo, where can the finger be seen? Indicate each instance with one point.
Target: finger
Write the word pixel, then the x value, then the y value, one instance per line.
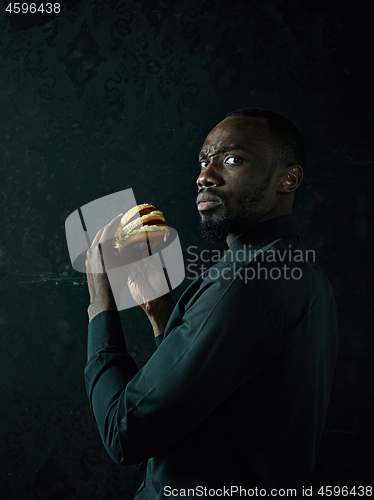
pixel 149 271
pixel 89 277
pixel 109 230
pixel 111 224
pixel 96 240
pixel 96 268
pixel 136 251
pixel 106 243
pixel 91 258
pixel 87 264
pixel 101 257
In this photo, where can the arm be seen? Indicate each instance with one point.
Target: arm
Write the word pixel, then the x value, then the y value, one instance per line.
pixel 211 351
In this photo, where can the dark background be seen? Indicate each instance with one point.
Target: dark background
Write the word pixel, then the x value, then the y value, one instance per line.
pixel 117 94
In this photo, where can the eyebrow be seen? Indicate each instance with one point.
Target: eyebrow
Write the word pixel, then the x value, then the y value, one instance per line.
pixel 220 149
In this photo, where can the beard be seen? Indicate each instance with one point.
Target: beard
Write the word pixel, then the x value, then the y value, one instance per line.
pixel 214 231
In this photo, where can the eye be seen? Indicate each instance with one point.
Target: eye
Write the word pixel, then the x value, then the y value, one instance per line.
pixel 203 164
pixel 233 160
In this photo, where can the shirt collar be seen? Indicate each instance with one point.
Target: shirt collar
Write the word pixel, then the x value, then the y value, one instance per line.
pixel 260 235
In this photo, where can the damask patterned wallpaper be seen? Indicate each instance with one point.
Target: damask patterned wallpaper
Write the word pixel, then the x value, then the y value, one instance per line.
pixel 107 95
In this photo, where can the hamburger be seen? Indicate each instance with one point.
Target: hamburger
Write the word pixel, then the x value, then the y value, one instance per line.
pixel 141 223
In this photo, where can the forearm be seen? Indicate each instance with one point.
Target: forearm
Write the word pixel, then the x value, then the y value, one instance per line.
pixel 108 371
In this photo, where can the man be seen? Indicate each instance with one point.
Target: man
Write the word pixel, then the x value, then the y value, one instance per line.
pixel 235 396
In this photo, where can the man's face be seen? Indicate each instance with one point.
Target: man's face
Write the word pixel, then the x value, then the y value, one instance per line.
pixel 238 182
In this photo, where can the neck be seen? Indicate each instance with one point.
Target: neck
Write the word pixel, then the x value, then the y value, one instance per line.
pixel 232 237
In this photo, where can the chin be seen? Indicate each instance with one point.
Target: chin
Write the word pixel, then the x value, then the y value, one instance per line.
pixel 213 231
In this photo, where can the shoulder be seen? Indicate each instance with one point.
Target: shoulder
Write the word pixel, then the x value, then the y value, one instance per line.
pixel 285 278
pixel 292 285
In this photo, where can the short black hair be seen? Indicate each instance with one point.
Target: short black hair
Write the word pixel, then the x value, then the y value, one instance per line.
pixel 287 140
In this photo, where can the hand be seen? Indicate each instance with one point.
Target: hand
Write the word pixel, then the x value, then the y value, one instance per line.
pixel 148 287
pixel 108 272
pixel 103 294
pixel 146 281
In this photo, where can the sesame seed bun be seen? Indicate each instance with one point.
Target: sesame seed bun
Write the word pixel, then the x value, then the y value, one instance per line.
pixel 142 223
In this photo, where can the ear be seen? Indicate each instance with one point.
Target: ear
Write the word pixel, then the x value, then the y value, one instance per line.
pixel 291 179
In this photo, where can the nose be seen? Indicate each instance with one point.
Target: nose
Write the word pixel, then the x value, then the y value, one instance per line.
pixel 209 176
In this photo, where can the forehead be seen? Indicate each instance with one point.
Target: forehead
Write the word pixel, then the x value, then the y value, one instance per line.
pixel 247 132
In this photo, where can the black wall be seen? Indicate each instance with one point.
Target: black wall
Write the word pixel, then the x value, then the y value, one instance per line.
pixel 117 94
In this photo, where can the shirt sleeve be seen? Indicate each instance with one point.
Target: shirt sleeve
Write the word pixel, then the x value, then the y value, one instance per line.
pixel 223 337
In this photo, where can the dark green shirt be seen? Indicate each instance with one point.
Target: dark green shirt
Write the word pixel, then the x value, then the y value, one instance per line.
pixel 237 391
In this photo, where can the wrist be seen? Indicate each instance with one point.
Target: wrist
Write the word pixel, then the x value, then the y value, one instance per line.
pixel 95 309
pixel 160 313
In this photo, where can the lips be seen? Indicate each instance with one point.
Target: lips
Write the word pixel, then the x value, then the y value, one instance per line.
pixel 207 201
pixel 206 205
